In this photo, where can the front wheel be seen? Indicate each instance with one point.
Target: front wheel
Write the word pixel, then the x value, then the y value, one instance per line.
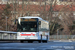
pixel 45 41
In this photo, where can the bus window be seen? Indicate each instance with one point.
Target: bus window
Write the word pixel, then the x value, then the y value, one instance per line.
pixel 28 26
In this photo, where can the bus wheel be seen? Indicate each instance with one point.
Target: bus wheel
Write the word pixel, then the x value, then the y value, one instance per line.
pixel 45 41
pixel 39 41
pixel 30 41
pixel 21 41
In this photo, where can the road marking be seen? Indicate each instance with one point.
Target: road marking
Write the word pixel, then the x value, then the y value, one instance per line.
pixel 25 48
pixel 59 49
pixel 15 48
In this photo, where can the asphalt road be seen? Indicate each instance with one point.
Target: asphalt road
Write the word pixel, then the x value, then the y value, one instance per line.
pixel 51 45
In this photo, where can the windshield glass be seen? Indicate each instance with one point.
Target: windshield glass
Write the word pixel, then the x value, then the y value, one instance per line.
pixel 27 27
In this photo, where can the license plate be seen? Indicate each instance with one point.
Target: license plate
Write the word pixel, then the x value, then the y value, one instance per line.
pixel 27 38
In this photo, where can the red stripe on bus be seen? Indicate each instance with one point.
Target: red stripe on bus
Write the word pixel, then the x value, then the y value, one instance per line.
pixel 27 34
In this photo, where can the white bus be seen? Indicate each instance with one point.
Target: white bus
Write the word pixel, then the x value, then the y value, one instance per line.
pixel 32 29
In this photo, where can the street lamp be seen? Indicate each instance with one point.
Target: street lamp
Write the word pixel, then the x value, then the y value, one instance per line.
pixel 6 22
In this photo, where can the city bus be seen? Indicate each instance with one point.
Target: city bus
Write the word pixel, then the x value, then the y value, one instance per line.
pixel 31 29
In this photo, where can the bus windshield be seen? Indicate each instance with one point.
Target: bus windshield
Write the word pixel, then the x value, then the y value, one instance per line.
pixel 27 26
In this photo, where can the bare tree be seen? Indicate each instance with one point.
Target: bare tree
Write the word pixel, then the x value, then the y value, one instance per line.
pixel 67 17
pixel 22 7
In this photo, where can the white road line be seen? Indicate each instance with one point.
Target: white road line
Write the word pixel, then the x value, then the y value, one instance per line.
pixel 59 49
pixel 15 48
pixel 25 48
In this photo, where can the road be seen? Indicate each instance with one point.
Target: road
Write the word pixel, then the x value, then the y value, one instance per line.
pixel 51 45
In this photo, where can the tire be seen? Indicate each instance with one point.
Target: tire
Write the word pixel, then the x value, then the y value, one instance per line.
pixel 39 41
pixel 45 41
pixel 21 41
pixel 30 41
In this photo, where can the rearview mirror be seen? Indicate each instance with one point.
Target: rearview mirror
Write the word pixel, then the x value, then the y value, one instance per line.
pixel 39 22
pixel 16 20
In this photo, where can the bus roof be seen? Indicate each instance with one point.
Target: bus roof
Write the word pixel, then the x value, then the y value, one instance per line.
pixel 33 17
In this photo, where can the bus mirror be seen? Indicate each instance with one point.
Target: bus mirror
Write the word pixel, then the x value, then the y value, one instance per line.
pixel 16 20
pixel 39 22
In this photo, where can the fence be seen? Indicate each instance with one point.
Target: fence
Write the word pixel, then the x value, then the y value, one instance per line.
pixel 52 37
pixel 63 37
pixel 8 36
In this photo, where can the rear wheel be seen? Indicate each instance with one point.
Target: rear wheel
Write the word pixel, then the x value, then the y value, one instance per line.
pixel 39 41
pixel 30 41
pixel 45 41
pixel 21 41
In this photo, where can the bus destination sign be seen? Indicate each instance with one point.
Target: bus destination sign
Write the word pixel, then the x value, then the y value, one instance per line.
pixel 22 19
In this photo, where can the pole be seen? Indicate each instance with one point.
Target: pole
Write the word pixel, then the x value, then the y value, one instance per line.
pixel 13 9
pixel 6 23
pixel 41 38
pixel 47 38
pixel 22 8
pixel 57 33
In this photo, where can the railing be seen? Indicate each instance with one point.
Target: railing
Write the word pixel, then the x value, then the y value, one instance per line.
pixel 62 37
pixel 13 35
pixel 8 36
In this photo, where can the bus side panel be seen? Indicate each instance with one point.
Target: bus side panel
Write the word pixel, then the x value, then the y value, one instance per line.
pixel 44 29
